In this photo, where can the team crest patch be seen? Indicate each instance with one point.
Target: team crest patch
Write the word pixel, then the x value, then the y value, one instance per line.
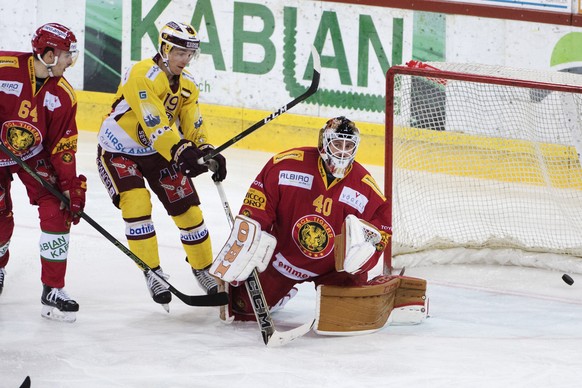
pixel 67 157
pixel 314 236
pixel 20 136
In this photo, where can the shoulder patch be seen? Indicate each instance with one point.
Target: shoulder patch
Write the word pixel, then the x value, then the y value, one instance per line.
pixel 255 198
pixel 367 179
pixel 69 89
pixel 293 154
pixel 66 145
pixel 6 61
pixel 153 72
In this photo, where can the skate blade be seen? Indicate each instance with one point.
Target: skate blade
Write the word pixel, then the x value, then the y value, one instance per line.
pixel 165 306
pixel 54 314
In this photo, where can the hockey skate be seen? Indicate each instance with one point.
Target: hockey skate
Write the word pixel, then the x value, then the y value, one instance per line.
pixel 2 276
pixel 57 305
pixel 206 281
pixel 158 291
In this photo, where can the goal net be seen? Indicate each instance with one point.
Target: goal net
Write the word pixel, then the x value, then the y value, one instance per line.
pixel 483 163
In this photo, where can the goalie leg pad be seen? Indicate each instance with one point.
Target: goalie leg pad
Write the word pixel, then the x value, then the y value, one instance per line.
pixel 411 303
pixel 247 248
pixel 346 311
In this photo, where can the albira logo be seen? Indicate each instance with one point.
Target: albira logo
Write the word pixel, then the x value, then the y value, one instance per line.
pixel 356 48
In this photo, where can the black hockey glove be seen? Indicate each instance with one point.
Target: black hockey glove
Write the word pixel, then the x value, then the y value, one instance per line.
pixel 218 161
pixel 186 155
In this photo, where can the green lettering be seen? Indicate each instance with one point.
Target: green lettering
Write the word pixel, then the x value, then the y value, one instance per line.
pixel 368 34
pixel 329 24
pixel 140 27
pixel 397 41
pixel 260 38
pixel 429 36
pixel 212 47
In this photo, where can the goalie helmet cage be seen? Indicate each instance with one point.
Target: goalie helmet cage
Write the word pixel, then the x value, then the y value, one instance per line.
pixel 483 165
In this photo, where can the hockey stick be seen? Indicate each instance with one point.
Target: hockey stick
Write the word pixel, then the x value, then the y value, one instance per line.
pixel 271 337
pixel 25 383
pixel 218 299
pixel 312 89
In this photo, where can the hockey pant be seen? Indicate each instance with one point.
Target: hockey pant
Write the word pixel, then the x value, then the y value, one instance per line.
pixel 54 222
pixel 124 177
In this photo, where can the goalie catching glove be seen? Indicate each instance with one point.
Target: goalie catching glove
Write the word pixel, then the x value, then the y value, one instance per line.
pixel 356 245
pixel 248 247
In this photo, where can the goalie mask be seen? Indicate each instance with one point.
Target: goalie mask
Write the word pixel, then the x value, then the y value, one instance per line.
pixel 338 144
pixel 181 35
pixel 54 36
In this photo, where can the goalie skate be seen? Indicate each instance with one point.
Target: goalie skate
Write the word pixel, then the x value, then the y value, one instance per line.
pixel 57 305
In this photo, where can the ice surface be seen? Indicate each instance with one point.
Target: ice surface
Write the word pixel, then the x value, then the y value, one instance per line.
pixel 489 326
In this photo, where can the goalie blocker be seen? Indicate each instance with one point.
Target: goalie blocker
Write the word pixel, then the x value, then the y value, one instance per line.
pixel 345 311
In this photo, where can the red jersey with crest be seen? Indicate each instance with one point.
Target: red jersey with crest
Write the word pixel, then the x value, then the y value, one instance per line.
pixel 293 200
pixel 37 120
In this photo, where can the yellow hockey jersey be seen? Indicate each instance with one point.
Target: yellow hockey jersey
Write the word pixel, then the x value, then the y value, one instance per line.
pixel 145 110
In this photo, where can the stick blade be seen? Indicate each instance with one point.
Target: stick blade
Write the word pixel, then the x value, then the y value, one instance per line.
pixel 280 338
pixel 316 60
pixel 25 383
pixel 218 299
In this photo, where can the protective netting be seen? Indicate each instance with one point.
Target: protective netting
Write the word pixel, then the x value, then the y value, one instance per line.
pixel 479 163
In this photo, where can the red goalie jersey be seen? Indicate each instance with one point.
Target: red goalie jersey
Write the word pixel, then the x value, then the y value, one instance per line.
pixel 304 208
pixel 34 121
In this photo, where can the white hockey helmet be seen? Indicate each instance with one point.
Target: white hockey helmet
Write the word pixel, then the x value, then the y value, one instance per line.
pixel 338 143
pixel 177 34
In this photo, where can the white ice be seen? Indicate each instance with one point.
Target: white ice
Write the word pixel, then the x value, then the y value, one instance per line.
pixel 489 326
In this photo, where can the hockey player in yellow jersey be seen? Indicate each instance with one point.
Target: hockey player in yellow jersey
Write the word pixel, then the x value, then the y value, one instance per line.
pixel 155 133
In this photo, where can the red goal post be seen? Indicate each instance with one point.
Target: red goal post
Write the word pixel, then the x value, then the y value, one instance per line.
pixel 482 163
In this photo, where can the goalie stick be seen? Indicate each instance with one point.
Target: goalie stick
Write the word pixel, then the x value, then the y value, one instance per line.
pixel 218 299
pixel 312 89
pixel 271 337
